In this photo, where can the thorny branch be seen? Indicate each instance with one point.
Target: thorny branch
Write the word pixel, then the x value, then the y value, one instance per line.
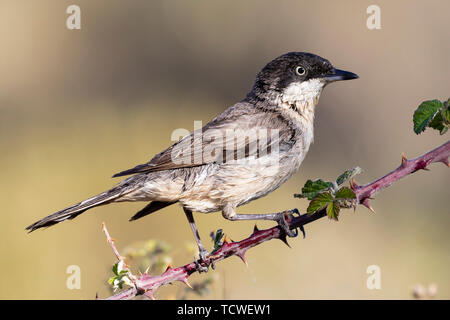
pixel 147 284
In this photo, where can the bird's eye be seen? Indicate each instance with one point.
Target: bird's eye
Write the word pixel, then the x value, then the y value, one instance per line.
pixel 300 71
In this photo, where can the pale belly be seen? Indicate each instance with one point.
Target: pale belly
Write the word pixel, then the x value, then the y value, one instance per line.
pixel 238 184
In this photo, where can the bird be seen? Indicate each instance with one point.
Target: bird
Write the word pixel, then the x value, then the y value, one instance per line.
pixel 243 154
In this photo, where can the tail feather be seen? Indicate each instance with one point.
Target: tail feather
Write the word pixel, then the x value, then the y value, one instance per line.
pixel 77 209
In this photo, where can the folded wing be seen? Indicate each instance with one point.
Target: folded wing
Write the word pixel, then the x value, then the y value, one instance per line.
pixel 241 131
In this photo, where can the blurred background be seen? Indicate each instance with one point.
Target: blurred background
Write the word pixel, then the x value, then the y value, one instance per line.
pixel 77 106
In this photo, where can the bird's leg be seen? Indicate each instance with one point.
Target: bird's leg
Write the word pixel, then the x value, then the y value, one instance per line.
pixel 201 249
pixel 229 213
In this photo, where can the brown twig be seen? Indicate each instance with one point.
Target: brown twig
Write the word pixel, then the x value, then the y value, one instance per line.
pixel 147 284
pixel 111 243
pixel 118 256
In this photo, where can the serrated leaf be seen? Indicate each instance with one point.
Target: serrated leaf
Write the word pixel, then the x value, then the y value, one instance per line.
pixel 425 113
pixel 441 120
pixel 345 193
pixel 312 188
pixel 319 202
pixel 437 122
pixel 446 114
pixel 348 174
pixel 333 209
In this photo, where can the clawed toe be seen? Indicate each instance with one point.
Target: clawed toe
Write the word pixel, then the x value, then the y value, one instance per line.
pixel 202 264
pixel 284 225
pixel 302 228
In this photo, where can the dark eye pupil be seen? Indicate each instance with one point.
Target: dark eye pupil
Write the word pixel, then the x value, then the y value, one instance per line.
pixel 300 70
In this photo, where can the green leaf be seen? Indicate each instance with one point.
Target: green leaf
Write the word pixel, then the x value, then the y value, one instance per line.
pixel 446 114
pixel 114 269
pixel 441 120
pixel 217 239
pixel 444 130
pixel 312 188
pixel 333 209
pixel 345 193
pixel 447 103
pixel 319 202
pixel 438 123
pixel 347 175
pixel 425 113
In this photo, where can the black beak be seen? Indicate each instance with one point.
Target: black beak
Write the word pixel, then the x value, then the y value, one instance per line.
pixel 338 75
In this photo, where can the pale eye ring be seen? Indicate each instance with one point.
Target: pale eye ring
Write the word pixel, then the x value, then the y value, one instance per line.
pixel 300 70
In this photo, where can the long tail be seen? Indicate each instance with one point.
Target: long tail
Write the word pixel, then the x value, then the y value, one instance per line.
pixel 79 208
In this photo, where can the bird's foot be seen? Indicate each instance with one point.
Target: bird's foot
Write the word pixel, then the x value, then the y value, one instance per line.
pixel 283 219
pixel 203 263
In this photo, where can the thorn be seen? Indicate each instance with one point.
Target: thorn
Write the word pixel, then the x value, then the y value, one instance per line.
pixel 168 267
pixel 186 282
pixel 366 203
pixel 225 240
pixel 96 296
pixel 445 161
pixel 404 160
pixel 140 290
pixel 146 270
pixel 424 165
pixel 242 256
pixel 255 229
pixel 284 239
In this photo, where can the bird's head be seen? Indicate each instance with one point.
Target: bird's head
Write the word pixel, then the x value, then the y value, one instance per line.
pixel 296 78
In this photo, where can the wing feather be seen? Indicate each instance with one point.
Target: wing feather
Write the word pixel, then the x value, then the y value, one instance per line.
pixel 242 130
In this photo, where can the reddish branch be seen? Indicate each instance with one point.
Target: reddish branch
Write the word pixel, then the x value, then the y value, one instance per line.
pixel 147 284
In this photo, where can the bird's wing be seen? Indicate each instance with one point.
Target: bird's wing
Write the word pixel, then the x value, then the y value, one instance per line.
pixel 240 131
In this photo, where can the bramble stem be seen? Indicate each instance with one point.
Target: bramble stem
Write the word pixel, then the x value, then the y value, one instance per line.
pixel 363 194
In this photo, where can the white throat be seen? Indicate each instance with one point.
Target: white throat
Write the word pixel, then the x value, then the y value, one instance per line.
pixel 298 102
pixel 303 97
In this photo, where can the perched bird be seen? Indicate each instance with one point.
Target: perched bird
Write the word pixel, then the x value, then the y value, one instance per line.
pixel 243 154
